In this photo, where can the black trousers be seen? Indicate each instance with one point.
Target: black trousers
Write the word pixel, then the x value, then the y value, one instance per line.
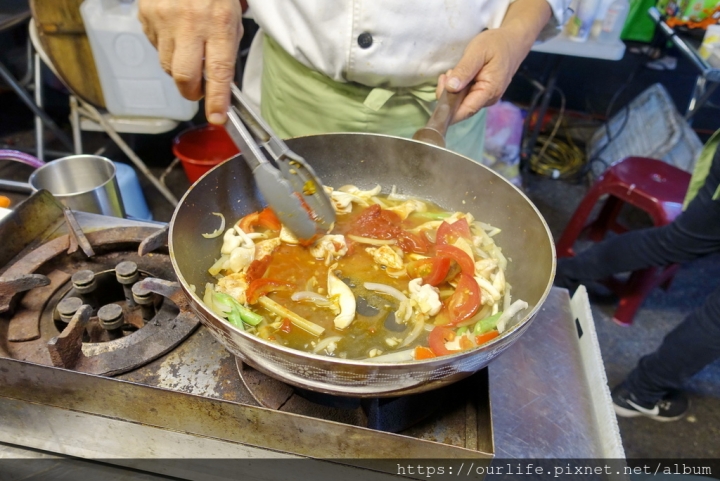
pixel 696 341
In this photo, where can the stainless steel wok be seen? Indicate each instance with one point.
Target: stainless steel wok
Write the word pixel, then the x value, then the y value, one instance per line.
pixel 366 160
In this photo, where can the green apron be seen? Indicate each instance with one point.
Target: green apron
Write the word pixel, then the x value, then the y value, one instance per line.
pixel 297 101
pixel 702 169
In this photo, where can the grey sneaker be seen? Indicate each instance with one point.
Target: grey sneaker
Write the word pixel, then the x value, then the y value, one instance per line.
pixel 670 408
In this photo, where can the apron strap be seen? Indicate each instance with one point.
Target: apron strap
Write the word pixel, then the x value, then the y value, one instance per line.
pixel 424 95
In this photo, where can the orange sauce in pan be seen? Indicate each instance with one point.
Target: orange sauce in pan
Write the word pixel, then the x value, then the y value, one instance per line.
pixel 295 264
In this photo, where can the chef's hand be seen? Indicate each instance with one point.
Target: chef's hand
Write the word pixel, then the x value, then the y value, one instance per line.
pixel 492 57
pixel 192 36
pixel 489 63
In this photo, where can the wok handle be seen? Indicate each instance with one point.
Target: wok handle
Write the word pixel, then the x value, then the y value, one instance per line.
pixel 436 128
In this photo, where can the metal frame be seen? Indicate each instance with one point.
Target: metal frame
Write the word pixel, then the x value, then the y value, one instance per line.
pixel 80 108
pixel 702 91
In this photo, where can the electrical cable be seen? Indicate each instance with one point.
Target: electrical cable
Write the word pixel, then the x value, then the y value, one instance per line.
pixel 554 157
pixel 563 159
pixel 609 135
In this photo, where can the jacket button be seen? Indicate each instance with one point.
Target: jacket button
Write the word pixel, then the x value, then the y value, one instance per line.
pixel 365 40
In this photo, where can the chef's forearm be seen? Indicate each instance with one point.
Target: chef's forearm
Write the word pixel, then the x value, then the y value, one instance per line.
pixel 526 19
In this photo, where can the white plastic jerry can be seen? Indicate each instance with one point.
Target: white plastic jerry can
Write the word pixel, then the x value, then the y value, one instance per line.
pixel 132 80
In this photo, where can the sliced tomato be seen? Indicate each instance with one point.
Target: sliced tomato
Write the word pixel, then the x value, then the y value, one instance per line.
pixel 458 255
pixel 488 336
pixel 465 302
pixel 433 271
pixel 257 268
pixel 248 223
pixel 265 218
pixel 423 353
pixel 371 223
pixel 437 339
pixel 410 242
pixel 385 224
pixel 449 233
pixel 268 219
pixel 286 326
pixel 260 287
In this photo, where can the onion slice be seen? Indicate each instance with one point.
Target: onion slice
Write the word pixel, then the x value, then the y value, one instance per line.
pixel 325 343
pixel 312 297
pixel 397 356
pixel 218 232
pixel 385 289
pixel 418 328
pixel 372 242
pixel 295 319
pixel 219 265
pixel 507 315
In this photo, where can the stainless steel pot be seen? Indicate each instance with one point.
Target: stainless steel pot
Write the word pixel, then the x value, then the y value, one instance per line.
pixel 418 169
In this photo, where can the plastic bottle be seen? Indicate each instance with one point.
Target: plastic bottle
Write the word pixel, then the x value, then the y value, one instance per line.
pixel 131 78
pixel 614 21
pixel 711 41
pixel 581 24
pixel 132 195
pixel 600 17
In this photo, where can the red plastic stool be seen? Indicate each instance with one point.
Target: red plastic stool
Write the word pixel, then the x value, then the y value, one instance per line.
pixel 648 184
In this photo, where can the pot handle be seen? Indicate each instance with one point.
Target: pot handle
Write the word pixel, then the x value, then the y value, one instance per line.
pixel 11 185
pixel 434 131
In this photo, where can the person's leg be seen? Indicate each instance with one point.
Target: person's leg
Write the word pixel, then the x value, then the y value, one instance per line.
pixel 695 233
pixel 653 388
pixel 687 349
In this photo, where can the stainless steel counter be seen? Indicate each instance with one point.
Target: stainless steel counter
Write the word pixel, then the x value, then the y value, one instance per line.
pixel 548 392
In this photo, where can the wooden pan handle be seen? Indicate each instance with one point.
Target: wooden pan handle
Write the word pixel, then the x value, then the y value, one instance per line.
pixel 436 128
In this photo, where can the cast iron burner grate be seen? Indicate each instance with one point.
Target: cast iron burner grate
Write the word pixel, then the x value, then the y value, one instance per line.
pixel 105 314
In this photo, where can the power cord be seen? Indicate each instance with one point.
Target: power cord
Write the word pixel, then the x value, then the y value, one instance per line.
pixel 562 158
pixel 553 157
pixel 597 156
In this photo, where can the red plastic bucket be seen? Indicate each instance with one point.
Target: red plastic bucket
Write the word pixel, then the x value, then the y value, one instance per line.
pixel 202 148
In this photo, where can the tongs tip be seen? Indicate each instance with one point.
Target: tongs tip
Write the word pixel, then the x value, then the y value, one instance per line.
pixel 292 189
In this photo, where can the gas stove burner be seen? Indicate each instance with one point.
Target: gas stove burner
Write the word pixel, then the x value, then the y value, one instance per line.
pixel 383 414
pixel 117 311
pixel 106 314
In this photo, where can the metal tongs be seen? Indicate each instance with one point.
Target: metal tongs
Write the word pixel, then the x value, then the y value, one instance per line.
pixel 292 189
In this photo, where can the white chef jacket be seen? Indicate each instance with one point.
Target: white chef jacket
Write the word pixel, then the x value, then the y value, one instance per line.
pixel 382 43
